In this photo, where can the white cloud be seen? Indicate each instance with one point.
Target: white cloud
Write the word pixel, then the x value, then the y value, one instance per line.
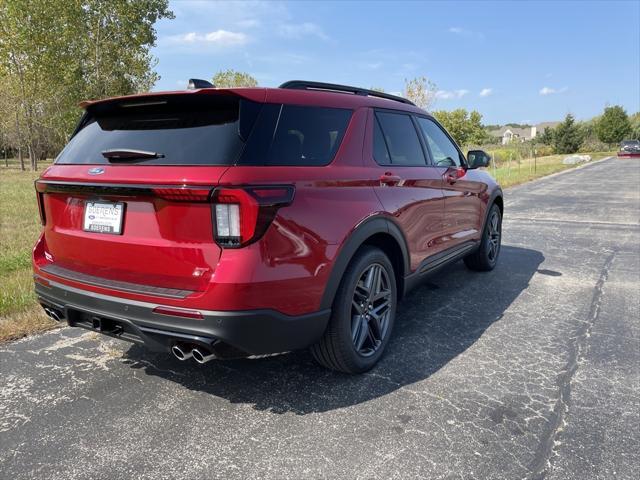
pixel 449 94
pixel 222 38
pixel 465 33
pixel 485 92
pixel 551 91
pixel 290 30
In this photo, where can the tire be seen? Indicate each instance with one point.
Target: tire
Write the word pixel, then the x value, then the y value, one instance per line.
pixel 356 337
pixel 486 256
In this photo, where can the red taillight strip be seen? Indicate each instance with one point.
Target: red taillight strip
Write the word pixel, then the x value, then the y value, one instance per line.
pixel 185 193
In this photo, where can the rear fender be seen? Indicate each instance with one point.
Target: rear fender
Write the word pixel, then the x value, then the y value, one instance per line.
pixel 365 230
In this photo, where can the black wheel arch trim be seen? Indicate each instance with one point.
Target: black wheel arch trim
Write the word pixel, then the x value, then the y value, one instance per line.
pixel 365 229
pixel 497 193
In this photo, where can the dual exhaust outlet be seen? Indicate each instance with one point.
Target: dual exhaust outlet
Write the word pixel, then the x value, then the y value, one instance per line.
pixel 54 314
pixel 184 352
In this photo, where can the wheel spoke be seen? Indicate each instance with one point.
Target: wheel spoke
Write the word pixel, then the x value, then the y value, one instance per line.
pixel 381 294
pixel 361 333
pixel 375 326
pixel 357 306
pixel 370 279
pixel 370 310
pixel 375 286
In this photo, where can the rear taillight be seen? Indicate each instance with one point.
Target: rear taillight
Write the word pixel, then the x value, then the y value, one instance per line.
pixel 242 215
pixel 40 195
pixel 183 193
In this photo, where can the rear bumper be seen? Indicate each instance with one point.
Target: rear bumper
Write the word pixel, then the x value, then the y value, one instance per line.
pixel 228 333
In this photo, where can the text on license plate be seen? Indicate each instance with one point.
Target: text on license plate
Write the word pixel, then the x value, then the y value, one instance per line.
pixel 103 217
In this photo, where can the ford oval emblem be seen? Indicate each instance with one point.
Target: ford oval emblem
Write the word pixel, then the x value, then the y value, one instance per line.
pixel 96 171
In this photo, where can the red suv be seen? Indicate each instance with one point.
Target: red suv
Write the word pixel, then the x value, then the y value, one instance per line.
pixel 244 222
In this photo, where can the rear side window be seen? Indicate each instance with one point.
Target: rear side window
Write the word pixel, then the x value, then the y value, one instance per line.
pixel 400 138
pixel 296 135
pixel 380 151
pixel 181 130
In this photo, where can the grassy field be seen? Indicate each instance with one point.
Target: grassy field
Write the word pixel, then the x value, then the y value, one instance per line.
pixel 19 228
pixel 516 172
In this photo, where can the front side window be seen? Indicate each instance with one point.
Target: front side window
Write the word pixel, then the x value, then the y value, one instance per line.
pixel 443 151
pixel 399 144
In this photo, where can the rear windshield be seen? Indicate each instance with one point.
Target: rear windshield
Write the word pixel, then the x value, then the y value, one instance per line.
pixel 181 130
pixel 207 130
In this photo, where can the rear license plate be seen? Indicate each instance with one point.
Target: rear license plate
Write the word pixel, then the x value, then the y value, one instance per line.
pixel 103 217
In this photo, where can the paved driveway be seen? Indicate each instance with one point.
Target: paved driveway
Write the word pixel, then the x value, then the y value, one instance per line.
pixel 530 371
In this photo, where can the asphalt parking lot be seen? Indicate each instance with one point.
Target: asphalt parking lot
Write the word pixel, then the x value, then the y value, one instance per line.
pixel 530 371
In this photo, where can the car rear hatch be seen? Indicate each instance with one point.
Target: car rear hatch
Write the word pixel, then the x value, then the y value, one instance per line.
pixel 127 203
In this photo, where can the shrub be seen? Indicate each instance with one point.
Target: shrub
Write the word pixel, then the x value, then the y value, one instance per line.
pixel 567 137
pixel 613 126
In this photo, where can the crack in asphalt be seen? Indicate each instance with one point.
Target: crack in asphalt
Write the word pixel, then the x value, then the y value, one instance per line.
pixel 542 463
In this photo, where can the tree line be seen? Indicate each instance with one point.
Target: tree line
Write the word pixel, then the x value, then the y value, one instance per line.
pixel 56 53
pixel 609 129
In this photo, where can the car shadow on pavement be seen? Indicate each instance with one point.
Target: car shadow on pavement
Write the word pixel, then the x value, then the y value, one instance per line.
pixel 435 323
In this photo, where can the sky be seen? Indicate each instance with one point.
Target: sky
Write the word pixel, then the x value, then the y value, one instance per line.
pixel 523 62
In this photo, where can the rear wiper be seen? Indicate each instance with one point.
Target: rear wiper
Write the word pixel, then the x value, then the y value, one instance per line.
pixel 129 154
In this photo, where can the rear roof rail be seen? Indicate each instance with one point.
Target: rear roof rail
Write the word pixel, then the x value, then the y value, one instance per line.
pixel 333 87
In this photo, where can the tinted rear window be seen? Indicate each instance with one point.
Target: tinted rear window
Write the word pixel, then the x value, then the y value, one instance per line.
pixel 209 130
pixel 296 135
pixel 184 130
pixel 400 138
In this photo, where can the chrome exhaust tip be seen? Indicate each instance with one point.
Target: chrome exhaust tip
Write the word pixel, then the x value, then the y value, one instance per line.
pixel 202 357
pixel 51 313
pixel 182 353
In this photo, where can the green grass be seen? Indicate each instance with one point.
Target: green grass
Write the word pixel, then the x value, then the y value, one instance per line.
pixel 516 172
pixel 20 227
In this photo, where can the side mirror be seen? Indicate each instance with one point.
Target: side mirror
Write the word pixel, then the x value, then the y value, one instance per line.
pixel 478 158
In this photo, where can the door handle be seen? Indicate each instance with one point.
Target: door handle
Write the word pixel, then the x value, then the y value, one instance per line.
pixel 389 179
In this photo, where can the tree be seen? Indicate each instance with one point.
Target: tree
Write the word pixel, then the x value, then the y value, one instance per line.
pixel 56 53
pixel 465 127
pixel 547 136
pixel 635 126
pixel 230 79
pixel 567 136
pixel 614 125
pixel 421 91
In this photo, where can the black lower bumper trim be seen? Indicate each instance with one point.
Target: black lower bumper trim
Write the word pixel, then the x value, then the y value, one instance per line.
pixel 253 332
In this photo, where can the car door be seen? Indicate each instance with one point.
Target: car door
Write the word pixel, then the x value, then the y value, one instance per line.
pixel 462 203
pixel 407 187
